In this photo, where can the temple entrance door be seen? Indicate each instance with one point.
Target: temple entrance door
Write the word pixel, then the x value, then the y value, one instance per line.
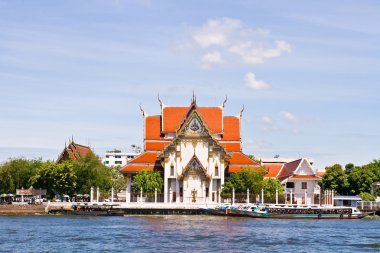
pixel 193 189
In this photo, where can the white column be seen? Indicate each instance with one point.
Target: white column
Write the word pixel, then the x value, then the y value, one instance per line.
pixel 22 198
pixel 170 194
pixel 155 195
pixel 112 195
pixel 97 194
pixel 92 194
pixel 332 197
pixel 262 196
pixel 233 196
pixel 276 196
pixel 305 197
pixel 177 191
pixel 166 181
pixel 210 191
pixel 247 196
pixel 128 191
pixel 291 196
pixel 141 195
pixel 204 191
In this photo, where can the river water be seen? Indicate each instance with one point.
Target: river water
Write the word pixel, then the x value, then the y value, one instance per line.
pixel 185 234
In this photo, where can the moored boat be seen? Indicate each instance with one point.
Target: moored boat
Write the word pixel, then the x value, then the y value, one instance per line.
pixel 292 212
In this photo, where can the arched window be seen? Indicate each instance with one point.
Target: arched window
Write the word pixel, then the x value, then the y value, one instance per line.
pixel 216 170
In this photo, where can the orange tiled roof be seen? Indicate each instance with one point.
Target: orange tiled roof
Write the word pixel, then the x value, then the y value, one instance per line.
pixel 237 168
pixel 240 158
pixel 146 157
pixel 273 169
pixel 173 116
pixel 155 145
pixel 153 128
pixel 146 160
pixel 213 118
pixel 136 168
pixel 231 146
pixel 231 128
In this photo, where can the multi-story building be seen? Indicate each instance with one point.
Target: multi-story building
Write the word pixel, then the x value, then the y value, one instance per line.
pixel 114 158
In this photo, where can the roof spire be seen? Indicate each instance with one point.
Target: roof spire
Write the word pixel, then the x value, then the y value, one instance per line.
pixel 224 102
pixel 194 98
pixel 142 110
pixel 159 100
pixel 241 112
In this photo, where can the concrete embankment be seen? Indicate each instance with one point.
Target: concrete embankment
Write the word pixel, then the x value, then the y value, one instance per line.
pixel 22 209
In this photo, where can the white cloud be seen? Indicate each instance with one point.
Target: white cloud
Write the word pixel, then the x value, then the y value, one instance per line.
pixel 211 58
pixel 235 39
pixel 290 117
pixel 252 82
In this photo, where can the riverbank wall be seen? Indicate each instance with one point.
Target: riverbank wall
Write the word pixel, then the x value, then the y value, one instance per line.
pixel 24 209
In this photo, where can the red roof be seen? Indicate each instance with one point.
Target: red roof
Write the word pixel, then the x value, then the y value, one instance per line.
pixel 231 146
pixel 231 128
pixel 74 151
pixel 155 145
pixel 273 169
pixel 240 158
pixel 146 157
pixel 173 116
pixel 153 128
pixel 146 160
pixel 237 168
pixel 288 169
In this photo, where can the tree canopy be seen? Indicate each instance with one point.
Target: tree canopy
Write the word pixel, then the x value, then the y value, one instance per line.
pixel 353 180
pixel 69 177
pixel 148 181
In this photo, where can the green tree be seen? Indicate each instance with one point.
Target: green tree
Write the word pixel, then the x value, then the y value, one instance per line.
pixel 148 181
pixel 360 180
pixel 270 186
pixel 247 178
pixel 16 173
pixel 367 196
pixel 56 178
pixel 335 179
pixel 118 180
pixel 90 172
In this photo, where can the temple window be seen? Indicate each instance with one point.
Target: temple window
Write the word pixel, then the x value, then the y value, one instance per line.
pixel 171 170
pixel 304 185
pixel 216 170
pixel 289 185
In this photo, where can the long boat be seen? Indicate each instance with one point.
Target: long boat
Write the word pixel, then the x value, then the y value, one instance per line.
pixel 291 212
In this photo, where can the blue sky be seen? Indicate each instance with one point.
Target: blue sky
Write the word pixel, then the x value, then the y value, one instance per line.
pixel 308 74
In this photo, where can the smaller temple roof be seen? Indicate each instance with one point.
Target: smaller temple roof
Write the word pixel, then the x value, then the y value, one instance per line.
pixel 74 151
pixel 145 161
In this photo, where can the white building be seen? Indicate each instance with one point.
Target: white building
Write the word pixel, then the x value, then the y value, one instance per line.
pixel 116 157
pixel 194 148
pixel 299 179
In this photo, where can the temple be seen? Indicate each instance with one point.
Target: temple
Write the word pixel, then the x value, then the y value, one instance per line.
pixel 74 151
pixel 195 148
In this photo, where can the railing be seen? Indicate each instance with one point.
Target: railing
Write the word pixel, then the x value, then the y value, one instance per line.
pixel 369 205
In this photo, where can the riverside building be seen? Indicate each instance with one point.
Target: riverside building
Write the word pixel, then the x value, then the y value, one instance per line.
pixel 114 158
pixel 194 147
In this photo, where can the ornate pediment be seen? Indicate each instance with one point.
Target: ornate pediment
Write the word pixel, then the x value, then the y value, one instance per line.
pixel 194 127
pixel 194 167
